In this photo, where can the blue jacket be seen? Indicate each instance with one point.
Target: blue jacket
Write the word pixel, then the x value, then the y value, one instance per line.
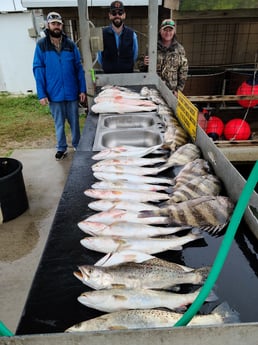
pixel 59 75
pixel 118 57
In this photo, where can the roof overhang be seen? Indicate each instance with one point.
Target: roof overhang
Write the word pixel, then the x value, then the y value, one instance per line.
pixel 74 3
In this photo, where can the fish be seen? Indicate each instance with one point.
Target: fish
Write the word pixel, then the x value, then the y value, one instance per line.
pixel 132 169
pixel 106 205
pixel 127 229
pixel 153 318
pixel 151 274
pixel 111 300
pixel 118 91
pixel 120 185
pixel 105 176
pixel 196 168
pixel 152 94
pixel 118 195
pixel 209 213
pixel 113 259
pixel 138 161
pixel 116 215
pixel 208 184
pixel 123 100
pixel 125 150
pixel 150 245
pixel 120 108
pixel 174 137
pixel 184 154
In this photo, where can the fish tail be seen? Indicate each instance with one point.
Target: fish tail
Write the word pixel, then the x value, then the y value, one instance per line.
pixel 202 274
pixel 212 297
pixel 227 314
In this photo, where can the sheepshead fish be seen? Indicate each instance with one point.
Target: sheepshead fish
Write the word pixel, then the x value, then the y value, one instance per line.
pixel 127 229
pixel 153 318
pixel 174 137
pixel 106 205
pixel 209 213
pixel 138 161
pixel 120 108
pixel 184 154
pixel 117 195
pixel 151 274
pixel 196 168
pixel 199 186
pixel 111 300
pixel 150 245
pixel 116 215
pixel 105 176
pixel 125 150
pixel 128 186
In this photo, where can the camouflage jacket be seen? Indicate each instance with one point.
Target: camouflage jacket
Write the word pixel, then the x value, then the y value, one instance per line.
pixel 172 65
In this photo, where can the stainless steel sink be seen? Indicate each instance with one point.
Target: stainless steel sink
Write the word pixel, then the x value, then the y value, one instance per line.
pixel 136 129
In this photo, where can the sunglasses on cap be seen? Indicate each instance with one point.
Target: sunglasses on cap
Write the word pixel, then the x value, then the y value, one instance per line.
pixel 170 23
pixel 115 12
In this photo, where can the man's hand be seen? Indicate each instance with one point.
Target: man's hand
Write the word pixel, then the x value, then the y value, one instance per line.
pixel 44 101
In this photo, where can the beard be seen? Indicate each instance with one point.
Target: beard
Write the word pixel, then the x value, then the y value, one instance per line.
pixel 117 22
pixel 55 33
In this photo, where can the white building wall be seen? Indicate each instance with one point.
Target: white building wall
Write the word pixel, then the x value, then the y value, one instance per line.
pixel 17 50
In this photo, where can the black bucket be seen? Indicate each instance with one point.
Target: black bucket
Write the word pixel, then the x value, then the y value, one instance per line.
pixel 13 197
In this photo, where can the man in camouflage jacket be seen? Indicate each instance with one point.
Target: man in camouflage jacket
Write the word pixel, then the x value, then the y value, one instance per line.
pixel 172 63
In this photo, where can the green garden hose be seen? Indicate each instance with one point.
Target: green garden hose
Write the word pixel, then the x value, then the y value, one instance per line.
pixel 4 331
pixel 224 248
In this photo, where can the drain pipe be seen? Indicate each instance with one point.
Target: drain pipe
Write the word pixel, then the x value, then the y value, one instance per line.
pixel 224 248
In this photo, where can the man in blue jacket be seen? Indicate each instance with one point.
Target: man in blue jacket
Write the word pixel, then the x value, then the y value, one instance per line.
pixel 60 80
pixel 120 43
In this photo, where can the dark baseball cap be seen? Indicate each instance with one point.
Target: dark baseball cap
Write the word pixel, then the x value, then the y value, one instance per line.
pixel 116 5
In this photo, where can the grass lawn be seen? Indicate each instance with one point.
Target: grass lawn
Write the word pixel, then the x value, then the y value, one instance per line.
pixel 26 124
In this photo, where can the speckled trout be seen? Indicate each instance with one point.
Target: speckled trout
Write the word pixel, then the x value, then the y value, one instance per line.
pixel 153 318
pixel 153 273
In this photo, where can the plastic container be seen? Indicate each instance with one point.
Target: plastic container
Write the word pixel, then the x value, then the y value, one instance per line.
pixel 13 197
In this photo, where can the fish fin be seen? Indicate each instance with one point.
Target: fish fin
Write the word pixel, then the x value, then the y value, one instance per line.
pixel 177 248
pixel 117 327
pixel 103 260
pixel 214 230
pixel 212 297
pixel 227 314
pixel 118 286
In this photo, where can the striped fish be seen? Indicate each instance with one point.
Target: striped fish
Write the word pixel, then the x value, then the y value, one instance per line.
pixel 195 168
pixel 199 186
pixel 209 213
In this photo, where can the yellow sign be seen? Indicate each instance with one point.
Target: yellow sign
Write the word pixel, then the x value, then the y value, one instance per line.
pixel 187 114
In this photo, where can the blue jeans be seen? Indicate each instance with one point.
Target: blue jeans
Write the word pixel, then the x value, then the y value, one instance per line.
pixel 61 111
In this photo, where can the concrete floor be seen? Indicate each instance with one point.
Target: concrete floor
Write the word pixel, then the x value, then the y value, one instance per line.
pixel 23 238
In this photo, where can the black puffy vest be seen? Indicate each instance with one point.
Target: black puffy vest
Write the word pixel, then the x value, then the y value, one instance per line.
pixel 118 60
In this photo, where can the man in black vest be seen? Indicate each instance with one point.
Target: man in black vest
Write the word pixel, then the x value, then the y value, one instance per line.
pixel 120 43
